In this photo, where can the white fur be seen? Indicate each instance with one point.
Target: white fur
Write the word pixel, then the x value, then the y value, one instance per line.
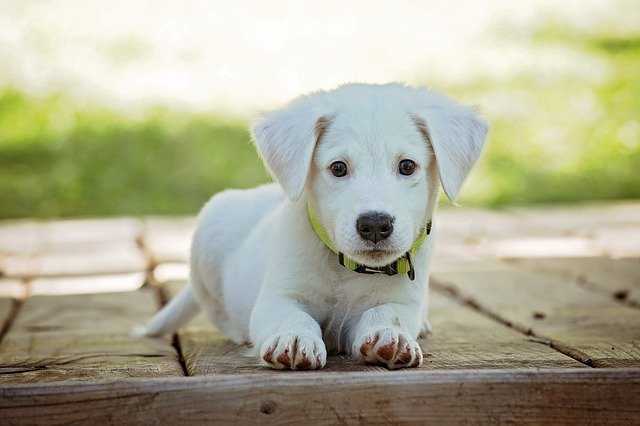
pixel 263 276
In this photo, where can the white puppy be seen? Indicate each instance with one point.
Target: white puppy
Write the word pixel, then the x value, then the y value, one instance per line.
pixel 308 266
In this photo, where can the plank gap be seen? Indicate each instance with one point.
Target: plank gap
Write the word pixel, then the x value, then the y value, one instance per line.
pixel 175 342
pixel 16 304
pixel 163 298
pixel 453 293
pixel 150 261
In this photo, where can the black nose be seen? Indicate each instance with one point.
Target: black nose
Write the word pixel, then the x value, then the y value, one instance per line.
pixel 374 226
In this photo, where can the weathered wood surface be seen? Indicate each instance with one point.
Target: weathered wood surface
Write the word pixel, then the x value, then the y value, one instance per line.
pixel 13 288
pixel 168 240
pixel 6 309
pixel 584 324
pixel 84 337
pixel 71 247
pixel 107 258
pixel 559 303
pixel 30 237
pixel 463 339
pixel 99 283
pixel 618 278
pixel 598 229
pixel 578 396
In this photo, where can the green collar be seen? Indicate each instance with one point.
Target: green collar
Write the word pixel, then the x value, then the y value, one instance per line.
pixel 403 265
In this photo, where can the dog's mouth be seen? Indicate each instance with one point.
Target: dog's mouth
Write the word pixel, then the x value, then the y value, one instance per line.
pixel 376 256
pixel 376 253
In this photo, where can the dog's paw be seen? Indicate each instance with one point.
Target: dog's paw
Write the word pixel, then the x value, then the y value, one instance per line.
pixel 294 352
pixel 388 347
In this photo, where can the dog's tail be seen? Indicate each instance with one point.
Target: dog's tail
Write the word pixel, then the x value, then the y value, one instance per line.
pixel 179 311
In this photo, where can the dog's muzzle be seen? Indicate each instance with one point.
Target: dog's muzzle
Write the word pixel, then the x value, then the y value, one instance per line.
pixel 402 265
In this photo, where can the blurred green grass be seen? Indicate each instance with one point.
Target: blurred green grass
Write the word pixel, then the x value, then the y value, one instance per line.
pixel 563 139
pixel 59 161
pixel 571 141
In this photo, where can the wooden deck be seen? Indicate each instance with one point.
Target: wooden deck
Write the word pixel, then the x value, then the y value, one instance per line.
pixel 536 316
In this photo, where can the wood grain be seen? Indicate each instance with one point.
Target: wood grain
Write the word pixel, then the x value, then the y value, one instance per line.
pixel 84 338
pixel 587 325
pixel 576 396
pixel 462 339
pixel 618 278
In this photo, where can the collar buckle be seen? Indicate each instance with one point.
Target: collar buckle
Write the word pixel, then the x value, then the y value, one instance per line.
pixel 411 273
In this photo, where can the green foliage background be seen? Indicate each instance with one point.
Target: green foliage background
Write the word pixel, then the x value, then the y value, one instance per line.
pixel 566 140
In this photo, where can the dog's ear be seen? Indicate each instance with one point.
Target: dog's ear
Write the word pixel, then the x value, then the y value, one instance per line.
pixel 286 139
pixel 457 135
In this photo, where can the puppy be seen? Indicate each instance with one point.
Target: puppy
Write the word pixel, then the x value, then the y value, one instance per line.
pixel 335 256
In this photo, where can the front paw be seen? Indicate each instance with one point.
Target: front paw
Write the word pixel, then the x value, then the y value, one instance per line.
pixel 295 352
pixel 388 347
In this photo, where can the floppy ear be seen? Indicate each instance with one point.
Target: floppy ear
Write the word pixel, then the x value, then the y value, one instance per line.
pixel 286 140
pixel 457 135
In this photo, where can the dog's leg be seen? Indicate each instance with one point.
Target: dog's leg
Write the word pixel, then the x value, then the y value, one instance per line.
pixel 386 335
pixel 288 337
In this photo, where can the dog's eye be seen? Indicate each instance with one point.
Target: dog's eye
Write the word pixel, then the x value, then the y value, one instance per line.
pixel 338 168
pixel 406 167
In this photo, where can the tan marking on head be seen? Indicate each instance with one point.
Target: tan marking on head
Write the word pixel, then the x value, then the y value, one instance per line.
pixel 422 127
pixel 321 127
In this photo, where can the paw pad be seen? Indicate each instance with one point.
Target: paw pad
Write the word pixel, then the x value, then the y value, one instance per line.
pixel 390 348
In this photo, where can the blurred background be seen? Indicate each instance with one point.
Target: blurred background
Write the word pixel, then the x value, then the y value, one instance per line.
pixel 140 107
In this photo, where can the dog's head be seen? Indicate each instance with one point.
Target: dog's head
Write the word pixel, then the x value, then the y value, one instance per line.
pixel 368 158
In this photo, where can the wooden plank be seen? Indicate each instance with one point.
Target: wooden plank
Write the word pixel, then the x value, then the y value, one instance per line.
pixel 589 326
pixel 618 278
pixel 462 339
pixel 29 237
pixel 576 396
pixel 580 219
pixel 13 288
pixel 6 308
pixel 172 271
pixel 205 350
pixel 20 236
pixel 168 240
pixel 70 247
pixel 84 337
pixel 107 283
pixel 95 259
pixel 597 229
